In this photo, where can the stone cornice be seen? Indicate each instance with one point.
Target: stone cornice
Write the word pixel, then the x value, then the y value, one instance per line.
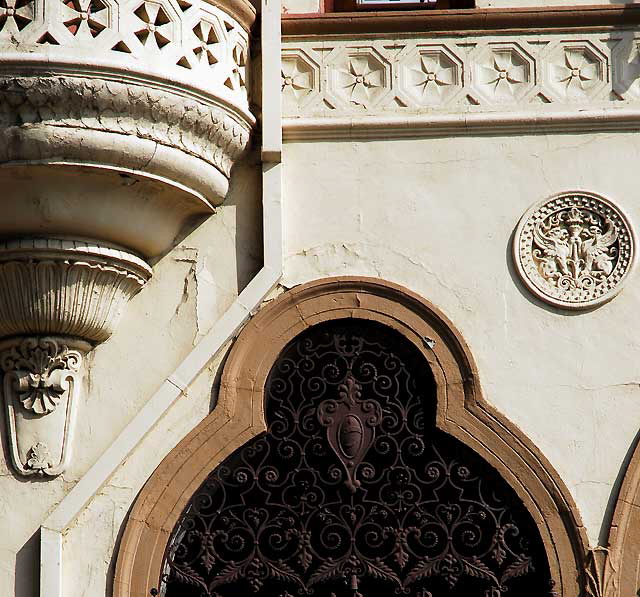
pixel 485 20
pixel 435 125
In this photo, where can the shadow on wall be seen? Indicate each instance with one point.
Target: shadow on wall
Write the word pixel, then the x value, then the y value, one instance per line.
pixel 245 195
pixel 605 528
pixel 623 70
pixel 245 199
pixel 28 568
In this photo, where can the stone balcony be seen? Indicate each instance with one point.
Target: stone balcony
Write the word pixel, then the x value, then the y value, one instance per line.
pixel 120 122
pixel 152 87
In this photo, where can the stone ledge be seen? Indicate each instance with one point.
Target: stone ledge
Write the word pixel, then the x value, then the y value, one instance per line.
pixel 484 20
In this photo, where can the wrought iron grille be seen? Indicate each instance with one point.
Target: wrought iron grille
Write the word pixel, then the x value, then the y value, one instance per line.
pixel 352 491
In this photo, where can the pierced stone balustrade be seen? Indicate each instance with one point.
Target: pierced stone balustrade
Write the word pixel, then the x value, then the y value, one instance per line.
pixel 120 121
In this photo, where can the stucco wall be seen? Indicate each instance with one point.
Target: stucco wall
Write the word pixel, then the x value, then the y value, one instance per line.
pixel 437 216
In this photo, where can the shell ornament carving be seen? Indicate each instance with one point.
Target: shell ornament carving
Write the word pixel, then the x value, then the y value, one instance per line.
pixel 42 379
pixel 40 366
pixel 574 250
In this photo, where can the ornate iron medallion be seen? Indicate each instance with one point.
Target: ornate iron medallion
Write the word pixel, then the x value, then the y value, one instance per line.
pixel 352 491
pixel 574 250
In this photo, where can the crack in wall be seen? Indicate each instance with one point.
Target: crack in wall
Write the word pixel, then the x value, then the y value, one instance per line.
pixel 330 258
pixel 199 291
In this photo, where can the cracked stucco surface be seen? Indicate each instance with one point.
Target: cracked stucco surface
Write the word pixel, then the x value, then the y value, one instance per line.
pixel 437 216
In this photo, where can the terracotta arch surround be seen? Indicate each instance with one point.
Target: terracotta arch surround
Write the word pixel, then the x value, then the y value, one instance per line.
pixel 618 572
pixel 238 417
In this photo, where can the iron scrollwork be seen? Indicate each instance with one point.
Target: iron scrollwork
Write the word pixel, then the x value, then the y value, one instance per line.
pixel 353 491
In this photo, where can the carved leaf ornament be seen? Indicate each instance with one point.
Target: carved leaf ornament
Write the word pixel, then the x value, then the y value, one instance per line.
pixel 40 385
pixel 574 250
pixel 39 365
pixel 352 491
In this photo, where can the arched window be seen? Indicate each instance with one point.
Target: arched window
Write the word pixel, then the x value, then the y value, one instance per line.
pixel 351 453
pixel 352 490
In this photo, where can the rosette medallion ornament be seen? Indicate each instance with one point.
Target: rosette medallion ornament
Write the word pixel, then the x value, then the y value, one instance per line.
pixel 353 491
pixel 574 250
pixel 119 125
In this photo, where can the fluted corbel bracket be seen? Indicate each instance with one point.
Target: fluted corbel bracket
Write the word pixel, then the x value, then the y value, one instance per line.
pixel 58 298
pixel 42 383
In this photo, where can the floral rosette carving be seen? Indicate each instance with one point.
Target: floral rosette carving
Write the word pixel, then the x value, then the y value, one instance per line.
pixel 574 250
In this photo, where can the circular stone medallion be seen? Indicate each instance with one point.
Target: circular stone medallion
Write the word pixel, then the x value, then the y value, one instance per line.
pixel 574 250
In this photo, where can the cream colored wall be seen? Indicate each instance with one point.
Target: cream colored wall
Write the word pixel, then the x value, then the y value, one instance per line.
pixel 89 545
pixel 192 286
pixel 437 216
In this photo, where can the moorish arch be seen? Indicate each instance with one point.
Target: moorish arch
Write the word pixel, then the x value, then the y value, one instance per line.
pixel 351 451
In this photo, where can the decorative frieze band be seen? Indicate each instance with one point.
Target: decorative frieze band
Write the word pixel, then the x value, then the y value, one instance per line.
pixel 185 40
pixel 334 77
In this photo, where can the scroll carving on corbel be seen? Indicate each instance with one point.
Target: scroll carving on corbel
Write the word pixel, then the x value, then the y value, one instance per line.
pixel 42 383
pixel 600 574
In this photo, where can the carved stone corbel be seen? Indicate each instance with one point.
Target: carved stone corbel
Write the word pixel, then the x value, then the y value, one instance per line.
pixel 58 298
pixel 42 383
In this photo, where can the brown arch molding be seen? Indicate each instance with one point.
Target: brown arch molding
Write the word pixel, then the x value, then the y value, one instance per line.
pixel 238 417
pixel 618 571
